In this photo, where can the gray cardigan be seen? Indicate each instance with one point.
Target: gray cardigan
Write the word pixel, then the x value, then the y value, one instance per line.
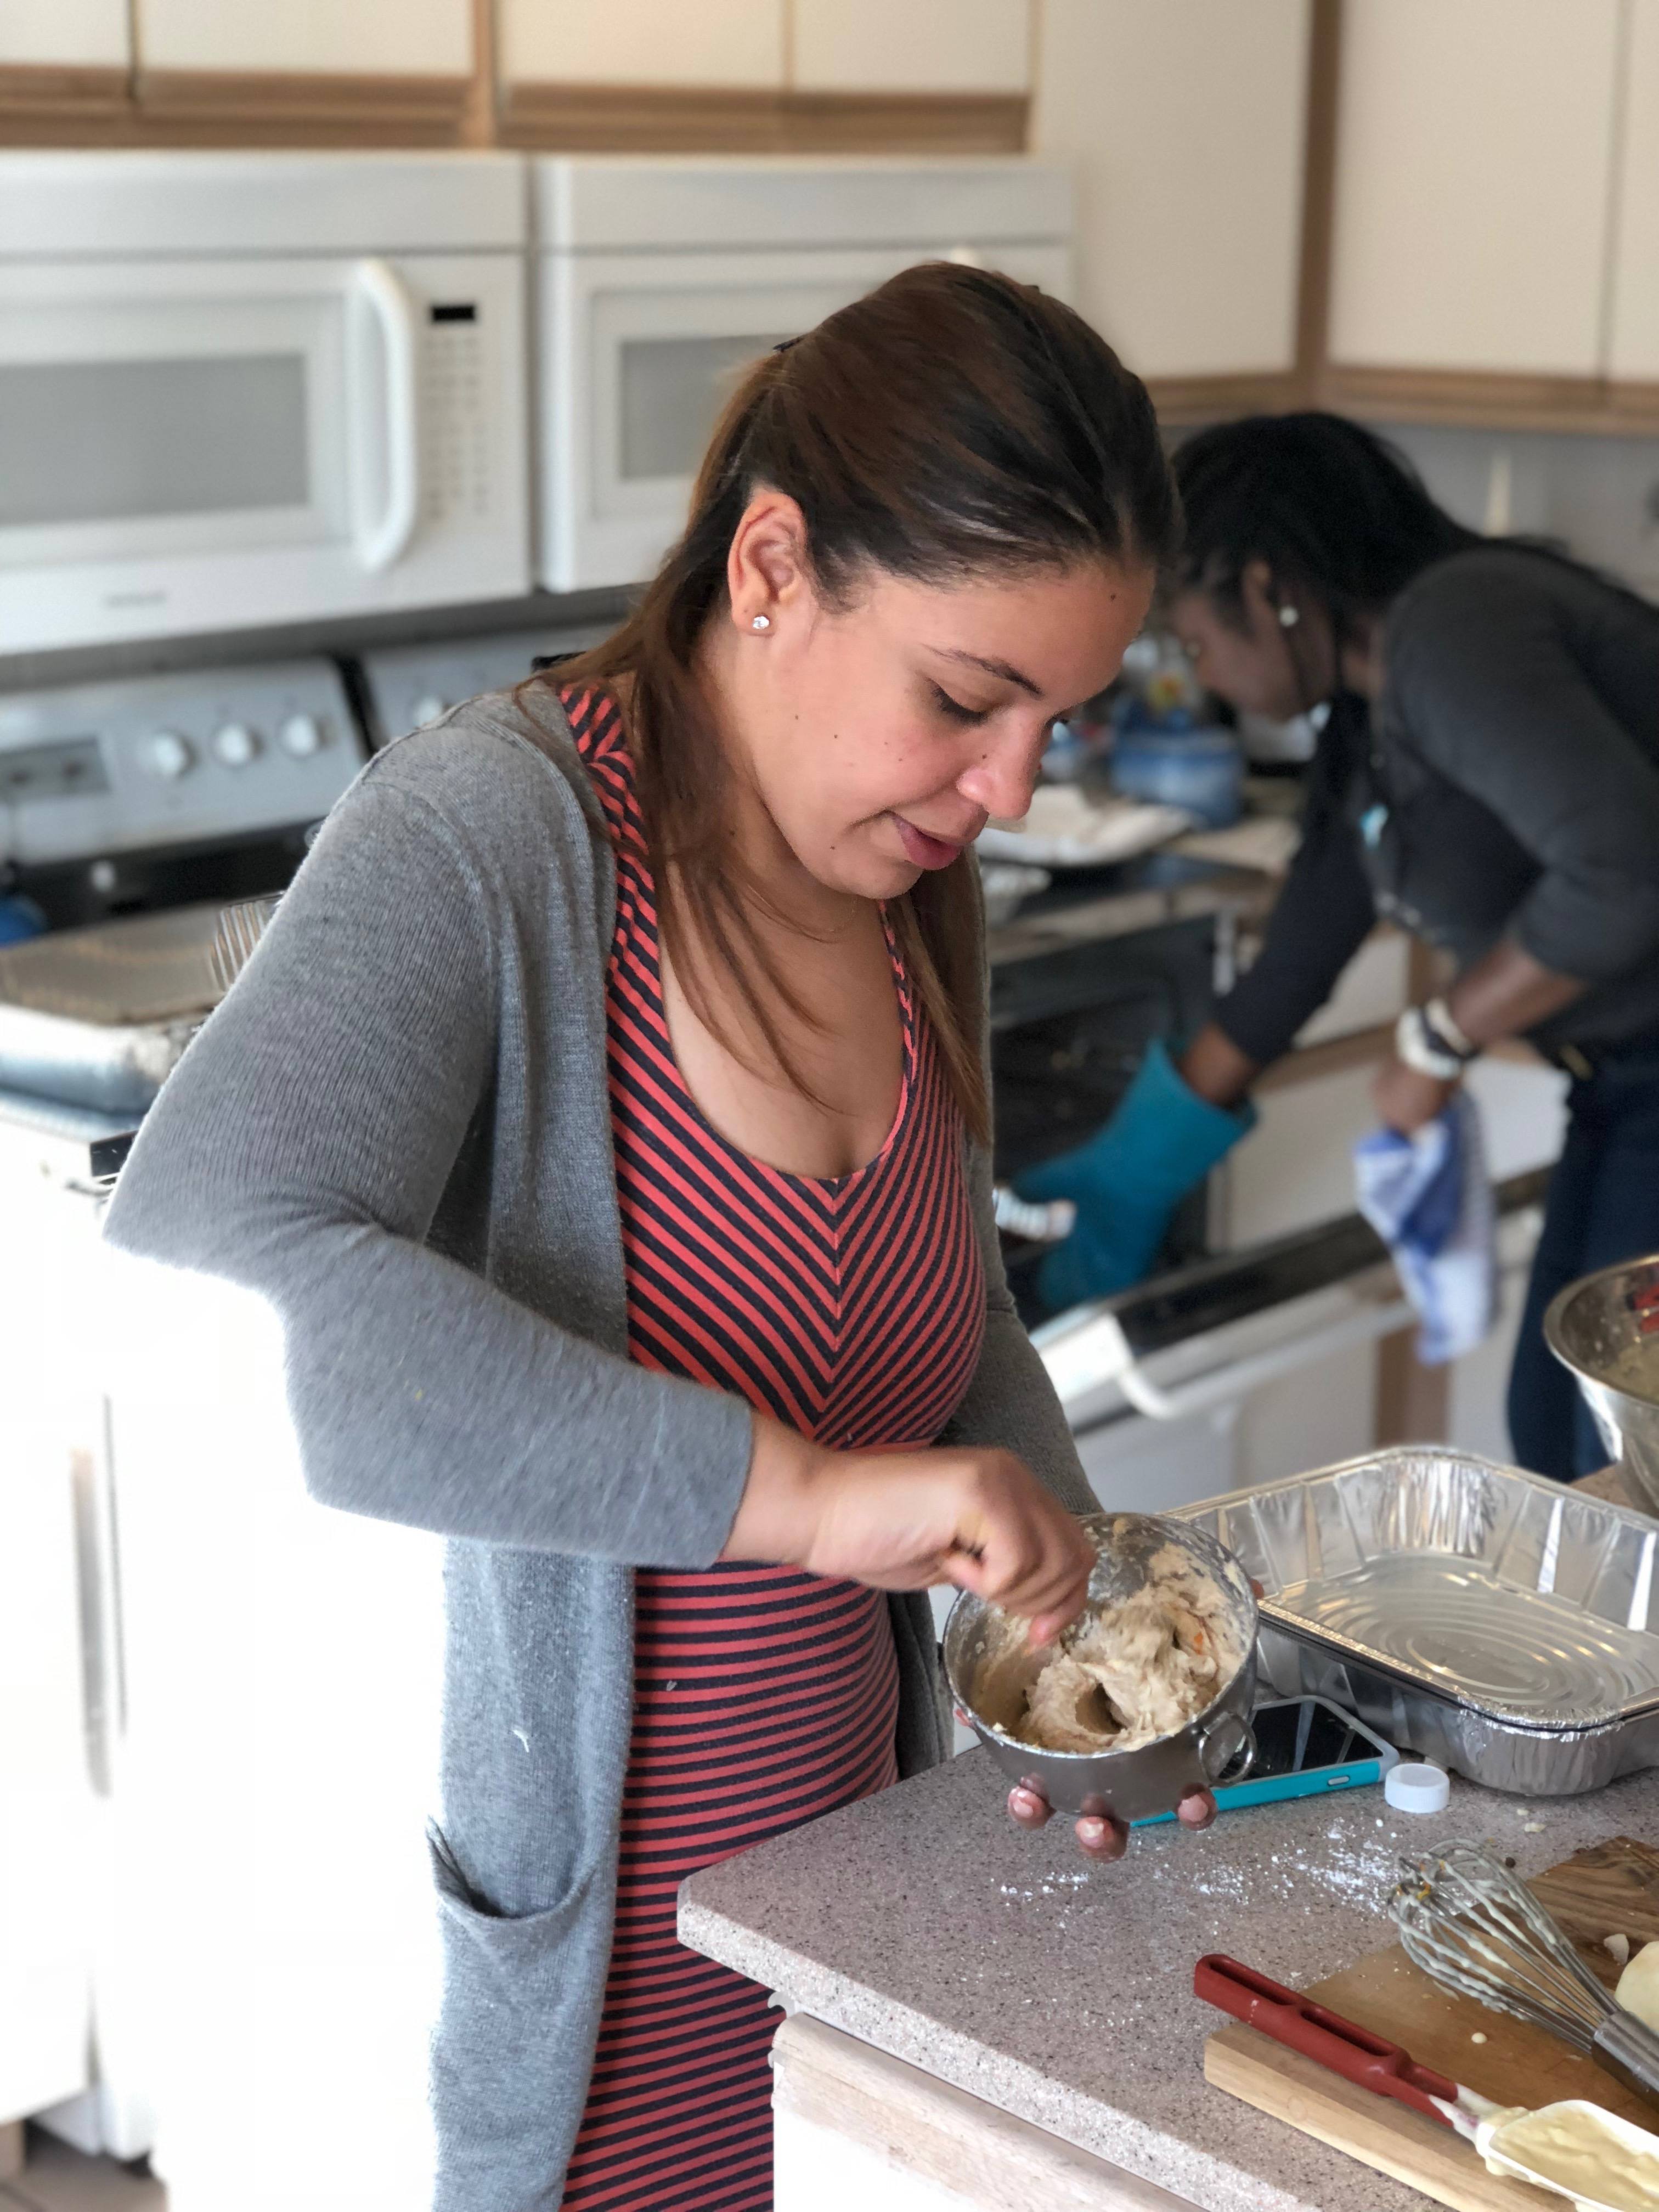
pixel 396 1130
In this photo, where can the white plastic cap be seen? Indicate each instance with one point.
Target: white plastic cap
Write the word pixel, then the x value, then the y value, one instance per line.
pixel 1417 1789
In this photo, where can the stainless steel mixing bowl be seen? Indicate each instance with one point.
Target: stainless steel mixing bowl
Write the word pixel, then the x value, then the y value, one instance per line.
pixel 1153 1778
pixel 1594 1328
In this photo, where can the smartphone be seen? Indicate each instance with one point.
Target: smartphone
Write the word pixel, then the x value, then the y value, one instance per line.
pixel 1305 1748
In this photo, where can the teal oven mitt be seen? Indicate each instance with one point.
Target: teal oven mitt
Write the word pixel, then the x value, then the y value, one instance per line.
pixel 20 918
pixel 1127 1181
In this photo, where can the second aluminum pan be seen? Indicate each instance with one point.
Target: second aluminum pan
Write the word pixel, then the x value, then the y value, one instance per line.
pixel 1488 1619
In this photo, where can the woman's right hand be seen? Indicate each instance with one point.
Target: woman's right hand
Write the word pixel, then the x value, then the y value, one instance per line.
pixel 972 1516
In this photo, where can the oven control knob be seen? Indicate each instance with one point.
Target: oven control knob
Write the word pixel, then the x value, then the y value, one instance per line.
pixel 236 744
pixel 303 735
pixel 429 709
pixel 168 756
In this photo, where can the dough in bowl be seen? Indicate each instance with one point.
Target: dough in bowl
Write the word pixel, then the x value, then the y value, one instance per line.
pixel 1132 1672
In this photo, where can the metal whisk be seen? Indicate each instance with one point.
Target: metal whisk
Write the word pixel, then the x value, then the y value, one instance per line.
pixel 1467 1921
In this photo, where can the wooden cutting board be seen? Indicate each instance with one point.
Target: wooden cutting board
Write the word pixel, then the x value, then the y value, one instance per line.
pixel 1611 1888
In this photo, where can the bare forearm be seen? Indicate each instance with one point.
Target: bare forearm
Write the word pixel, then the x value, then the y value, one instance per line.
pixel 1214 1067
pixel 906 1520
pixel 1506 993
pixel 774 1517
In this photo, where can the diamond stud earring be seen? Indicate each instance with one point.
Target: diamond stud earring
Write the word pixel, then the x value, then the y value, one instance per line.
pixel 1289 617
pixel 761 622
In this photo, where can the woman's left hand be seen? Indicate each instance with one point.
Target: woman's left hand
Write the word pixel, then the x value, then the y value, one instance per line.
pixel 1100 1836
pixel 1407 1099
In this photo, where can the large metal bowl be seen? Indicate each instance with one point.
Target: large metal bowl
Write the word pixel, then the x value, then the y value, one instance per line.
pixel 1154 1778
pixel 1593 1326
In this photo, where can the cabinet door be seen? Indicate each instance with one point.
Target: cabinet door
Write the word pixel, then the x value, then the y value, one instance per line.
pixel 1633 318
pixel 1185 125
pixel 657 43
pixel 418 38
pixel 1375 988
pixel 1474 149
pixel 65 33
pixel 55 1716
pixel 49 1870
pixel 911 45
pixel 1295 1169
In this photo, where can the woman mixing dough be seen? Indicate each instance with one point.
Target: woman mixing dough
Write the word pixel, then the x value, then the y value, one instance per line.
pixel 605 1117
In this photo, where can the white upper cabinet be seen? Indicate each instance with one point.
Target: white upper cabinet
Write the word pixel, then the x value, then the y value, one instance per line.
pixel 659 43
pixel 912 45
pixel 373 38
pixel 1633 318
pixel 1474 144
pixel 65 33
pixel 1184 122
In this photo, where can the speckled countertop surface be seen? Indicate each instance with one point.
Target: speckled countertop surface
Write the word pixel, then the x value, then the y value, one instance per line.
pixel 924 1922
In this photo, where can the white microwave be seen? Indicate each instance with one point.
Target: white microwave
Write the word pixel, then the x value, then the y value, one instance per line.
pixel 240 389
pixel 658 278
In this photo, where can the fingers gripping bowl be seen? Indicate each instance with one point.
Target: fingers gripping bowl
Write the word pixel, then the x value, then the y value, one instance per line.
pixel 1180 1591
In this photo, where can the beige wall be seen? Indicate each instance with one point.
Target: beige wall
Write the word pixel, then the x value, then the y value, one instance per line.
pixel 73 33
pixel 912 45
pixel 1184 121
pixel 821 45
pixel 1633 321
pixel 655 42
pixel 417 37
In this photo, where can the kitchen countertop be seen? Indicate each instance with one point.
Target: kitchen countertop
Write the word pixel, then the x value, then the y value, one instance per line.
pixel 1235 873
pixel 1090 906
pixel 924 1922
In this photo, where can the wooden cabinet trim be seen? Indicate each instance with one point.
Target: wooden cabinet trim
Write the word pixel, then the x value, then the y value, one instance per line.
pixel 675 119
pixel 37 98
pixel 1413 1402
pixel 1313 305
pixel 229 107
pixel 1501 399
pixel 1187 399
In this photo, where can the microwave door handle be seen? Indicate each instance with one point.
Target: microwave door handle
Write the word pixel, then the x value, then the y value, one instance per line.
pixel 382 542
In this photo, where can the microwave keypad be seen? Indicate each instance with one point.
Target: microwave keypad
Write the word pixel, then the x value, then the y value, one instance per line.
pixel 455 443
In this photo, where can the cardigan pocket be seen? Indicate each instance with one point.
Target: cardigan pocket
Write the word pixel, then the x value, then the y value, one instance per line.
pixel 514 2042
pixel 508 1934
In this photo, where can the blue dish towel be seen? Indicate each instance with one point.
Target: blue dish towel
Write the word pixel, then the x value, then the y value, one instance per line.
pixel 1429 1198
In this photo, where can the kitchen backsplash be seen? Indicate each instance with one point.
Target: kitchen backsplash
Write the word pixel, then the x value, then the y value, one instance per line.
pixel 1599 495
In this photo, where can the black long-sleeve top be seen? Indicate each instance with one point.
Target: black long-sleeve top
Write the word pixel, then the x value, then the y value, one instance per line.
pixel 1505 783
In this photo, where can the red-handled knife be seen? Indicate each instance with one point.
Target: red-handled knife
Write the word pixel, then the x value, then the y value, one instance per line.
pixel 1370 2061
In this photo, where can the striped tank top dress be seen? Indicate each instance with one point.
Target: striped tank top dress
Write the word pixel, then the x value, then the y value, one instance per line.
pixel 853 1308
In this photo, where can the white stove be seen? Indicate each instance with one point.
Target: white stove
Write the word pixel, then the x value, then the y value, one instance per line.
pixel 130 813
pixel 166 762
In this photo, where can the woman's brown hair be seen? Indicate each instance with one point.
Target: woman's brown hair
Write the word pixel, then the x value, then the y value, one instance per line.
pixel 949 425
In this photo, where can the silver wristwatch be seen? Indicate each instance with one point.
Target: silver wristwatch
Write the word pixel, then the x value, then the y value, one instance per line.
pixel 1429 1040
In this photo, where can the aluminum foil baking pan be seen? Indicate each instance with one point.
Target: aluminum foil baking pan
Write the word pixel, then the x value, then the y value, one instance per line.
pixel 100 1016
pixel 1486 1619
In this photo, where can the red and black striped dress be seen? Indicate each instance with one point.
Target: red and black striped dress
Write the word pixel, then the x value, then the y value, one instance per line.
pixel 851 1308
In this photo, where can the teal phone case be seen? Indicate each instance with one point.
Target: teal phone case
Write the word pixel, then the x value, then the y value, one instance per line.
pixel 1320 1782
